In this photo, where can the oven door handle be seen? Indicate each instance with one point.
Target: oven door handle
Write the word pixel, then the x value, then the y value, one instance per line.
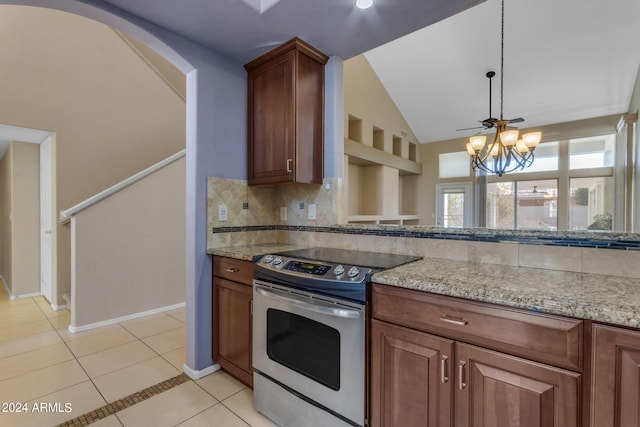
pixel 318 308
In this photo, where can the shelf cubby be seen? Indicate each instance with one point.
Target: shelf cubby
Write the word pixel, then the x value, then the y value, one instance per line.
pixel 378 138
pixel 397 146
pixel 355 129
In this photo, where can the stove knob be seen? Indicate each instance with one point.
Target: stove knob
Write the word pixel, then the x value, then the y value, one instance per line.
pixel 339 270
pixel 268 259
pixel 353 272
pixel 277 261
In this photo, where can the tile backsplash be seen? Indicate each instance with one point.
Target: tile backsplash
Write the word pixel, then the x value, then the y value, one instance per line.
pixel 253 217
pixel 253 206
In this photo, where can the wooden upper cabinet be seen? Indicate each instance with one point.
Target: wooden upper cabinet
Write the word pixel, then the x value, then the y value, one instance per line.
pixel 286 115
pixel 615 389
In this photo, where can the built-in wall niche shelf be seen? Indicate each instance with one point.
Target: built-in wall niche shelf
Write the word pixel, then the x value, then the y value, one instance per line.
pixel 364 155
pixel 384 220
pixel 381 174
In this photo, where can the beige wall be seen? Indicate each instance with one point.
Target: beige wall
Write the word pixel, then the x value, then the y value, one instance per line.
pixel 129 250
pixel 111 113
pixel 366 98
pixel 21 218
pixel 5 212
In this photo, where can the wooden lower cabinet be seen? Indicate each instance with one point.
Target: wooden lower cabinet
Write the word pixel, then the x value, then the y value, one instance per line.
pixel 232 321
pixel 615 397
pixel 410 377
pixel 494 389
pixel 445 363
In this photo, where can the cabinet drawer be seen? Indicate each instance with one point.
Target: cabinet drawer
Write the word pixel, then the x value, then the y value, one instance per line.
pixel 546 338
pixel 233 269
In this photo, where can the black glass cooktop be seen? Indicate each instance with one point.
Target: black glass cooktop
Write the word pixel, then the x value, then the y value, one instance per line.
pixel 374 260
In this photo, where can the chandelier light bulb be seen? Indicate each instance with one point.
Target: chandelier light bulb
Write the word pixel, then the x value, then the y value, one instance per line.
pixel 470 149
pixel 364 4
pixel 495 149
pixel 532 139
pixel 521 146
pixel 509 137
pixel 477 142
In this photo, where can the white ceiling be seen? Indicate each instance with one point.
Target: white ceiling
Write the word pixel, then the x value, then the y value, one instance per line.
pixel 564 60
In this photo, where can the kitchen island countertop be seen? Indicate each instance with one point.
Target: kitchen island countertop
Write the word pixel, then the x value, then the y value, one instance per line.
pixel 601 298
pixel 609 299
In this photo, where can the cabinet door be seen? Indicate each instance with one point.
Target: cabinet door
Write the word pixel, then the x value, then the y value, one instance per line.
pixel 232 328
pixel 497 390
pixel 411 377
pixel 271 121
pixel 615 392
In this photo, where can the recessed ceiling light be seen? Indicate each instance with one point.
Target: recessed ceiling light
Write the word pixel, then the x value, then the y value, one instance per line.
pixel 364 4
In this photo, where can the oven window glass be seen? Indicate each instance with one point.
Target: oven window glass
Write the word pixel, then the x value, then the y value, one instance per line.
pixel 304 345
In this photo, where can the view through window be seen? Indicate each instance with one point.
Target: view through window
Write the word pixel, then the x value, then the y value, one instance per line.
pixel 532 198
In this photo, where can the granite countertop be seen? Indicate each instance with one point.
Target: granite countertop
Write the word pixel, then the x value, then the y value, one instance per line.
pixel 608 299
pixel 248 253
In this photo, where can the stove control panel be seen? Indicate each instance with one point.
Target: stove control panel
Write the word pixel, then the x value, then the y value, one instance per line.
pixel 318 270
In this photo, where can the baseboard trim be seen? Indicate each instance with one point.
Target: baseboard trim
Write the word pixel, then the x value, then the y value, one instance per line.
pixel 58 307
pixel 197 374
pixel 74 329
pixel 15 297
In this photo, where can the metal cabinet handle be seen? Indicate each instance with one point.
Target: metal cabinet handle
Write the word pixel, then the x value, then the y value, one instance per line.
pixel 461 383
pixel 443 369
pixel 289 165
pixel 453 320
pixel 232 270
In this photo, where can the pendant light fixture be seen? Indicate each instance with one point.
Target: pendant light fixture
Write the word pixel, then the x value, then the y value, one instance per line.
pixel 507 153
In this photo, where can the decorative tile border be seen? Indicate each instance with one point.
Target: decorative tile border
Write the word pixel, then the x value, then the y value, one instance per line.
pixel 125 402
pixel 620 241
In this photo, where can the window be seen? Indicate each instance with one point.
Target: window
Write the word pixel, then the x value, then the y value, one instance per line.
pixel 453 205
pixel 454 165
pixel 523 205
pixel 591 203
pixel 593 152
pixel 570 186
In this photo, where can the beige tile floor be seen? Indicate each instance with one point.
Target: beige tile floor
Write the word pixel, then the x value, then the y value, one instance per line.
pixel 42 362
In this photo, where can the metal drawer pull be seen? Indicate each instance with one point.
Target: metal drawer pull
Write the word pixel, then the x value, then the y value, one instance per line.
pixel 232 270
pixel 461 383
pixel 454 320
pixel 289 163
pixel 443 369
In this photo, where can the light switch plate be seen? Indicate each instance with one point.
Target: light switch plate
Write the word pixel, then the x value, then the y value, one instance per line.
pixel 311 211
pixel 283 213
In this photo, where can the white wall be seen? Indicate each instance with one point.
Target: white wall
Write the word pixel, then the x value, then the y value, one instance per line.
pixel 128 250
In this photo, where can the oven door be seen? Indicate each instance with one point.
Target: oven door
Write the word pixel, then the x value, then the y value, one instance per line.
pixel 311 344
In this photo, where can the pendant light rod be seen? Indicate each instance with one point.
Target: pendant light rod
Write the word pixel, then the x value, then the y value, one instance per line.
pixel 502 61
pixel 507 153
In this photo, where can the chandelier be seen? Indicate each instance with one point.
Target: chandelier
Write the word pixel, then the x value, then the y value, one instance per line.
pixel 507 152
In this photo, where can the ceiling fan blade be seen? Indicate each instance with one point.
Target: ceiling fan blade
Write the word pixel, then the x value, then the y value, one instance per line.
pixel 475 127
pixel 518 120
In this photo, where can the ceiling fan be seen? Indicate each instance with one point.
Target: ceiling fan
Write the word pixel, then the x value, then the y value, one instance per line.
pixel 492 122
